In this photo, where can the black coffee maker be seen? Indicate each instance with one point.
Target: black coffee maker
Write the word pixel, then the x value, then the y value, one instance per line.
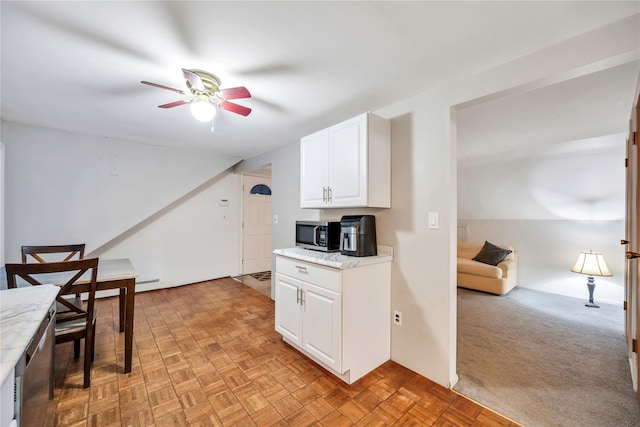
pixel 358 235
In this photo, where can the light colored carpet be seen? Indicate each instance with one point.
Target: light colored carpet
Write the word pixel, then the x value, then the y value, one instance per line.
pixel 545 360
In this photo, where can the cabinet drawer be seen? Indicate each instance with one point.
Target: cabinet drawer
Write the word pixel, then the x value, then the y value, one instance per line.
pixel 318 275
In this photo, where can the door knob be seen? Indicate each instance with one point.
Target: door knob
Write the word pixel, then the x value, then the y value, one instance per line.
pixel 624 242
pixel 632 255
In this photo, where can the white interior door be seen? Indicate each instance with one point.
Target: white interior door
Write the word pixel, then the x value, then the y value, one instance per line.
pixel 633 248
pixel 631 278
pixel 256 230
pixel 632 294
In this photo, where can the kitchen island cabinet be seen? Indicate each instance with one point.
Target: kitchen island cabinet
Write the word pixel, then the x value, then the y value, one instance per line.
pixel 335 309
pixel 347 165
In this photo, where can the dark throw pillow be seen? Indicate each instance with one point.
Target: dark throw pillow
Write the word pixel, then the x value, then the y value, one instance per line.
pixel 491 254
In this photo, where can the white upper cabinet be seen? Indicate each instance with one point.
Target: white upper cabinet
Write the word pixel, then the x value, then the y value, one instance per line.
pixel 347 165
pixel 314 169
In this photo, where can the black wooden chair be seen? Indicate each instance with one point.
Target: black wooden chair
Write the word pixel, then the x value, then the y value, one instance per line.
pixel 76 322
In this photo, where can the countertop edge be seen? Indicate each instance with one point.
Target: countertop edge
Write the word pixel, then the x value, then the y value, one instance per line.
pixel 335 259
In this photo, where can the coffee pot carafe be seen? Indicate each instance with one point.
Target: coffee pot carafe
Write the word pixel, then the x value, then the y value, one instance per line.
pixel 358 235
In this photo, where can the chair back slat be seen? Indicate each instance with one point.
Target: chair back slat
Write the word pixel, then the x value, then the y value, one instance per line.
pixel 36 252
pixel 76 269
pixel 65 288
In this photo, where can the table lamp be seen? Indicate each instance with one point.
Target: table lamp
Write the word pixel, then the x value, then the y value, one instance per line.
pixel 592 264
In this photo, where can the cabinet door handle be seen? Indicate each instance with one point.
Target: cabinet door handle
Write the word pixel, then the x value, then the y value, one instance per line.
pixel 632 255
pixel 324 194
pixel 297 295
pixel 301 297
pixel 301 267
pixel 329 195
pixel 624 242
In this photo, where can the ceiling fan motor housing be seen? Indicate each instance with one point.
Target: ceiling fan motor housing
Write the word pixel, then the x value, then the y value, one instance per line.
pixel 210 82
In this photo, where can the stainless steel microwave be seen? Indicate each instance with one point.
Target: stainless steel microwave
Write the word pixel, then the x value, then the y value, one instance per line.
pixel 318 235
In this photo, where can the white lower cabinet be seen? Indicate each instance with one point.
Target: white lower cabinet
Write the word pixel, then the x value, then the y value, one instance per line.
pixel 339 318
pixel 309 316
pixel 288 308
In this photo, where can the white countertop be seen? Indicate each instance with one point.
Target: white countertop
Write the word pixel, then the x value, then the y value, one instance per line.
pixel 334 259
pixel 21 312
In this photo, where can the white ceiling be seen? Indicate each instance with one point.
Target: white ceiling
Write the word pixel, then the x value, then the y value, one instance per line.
pixel 77 66
pixel 597 105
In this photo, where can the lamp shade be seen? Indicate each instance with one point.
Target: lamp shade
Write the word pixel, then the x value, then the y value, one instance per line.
pixel 591 264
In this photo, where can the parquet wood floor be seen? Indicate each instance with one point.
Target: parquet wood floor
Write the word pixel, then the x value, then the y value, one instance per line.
pixel 207 355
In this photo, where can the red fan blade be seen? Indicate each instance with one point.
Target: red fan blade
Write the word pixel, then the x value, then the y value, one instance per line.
pixel 163 87
pixel 235 108
pixel 173 104
pixel 234 93
pixel 193 79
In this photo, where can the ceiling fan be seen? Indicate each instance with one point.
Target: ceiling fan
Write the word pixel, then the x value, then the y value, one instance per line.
pixel 205 90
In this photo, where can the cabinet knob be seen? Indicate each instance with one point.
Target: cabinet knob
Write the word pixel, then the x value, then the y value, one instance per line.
pixel 632 255
pixel 624 242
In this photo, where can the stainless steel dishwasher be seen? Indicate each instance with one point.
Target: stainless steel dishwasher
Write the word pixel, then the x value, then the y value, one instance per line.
pixel 34 375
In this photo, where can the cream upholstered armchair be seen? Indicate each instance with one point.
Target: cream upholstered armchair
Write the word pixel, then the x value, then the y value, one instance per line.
pixel 494 269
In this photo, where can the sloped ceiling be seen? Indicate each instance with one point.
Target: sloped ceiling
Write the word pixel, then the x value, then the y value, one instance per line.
pixel 77 66
pixel 595 105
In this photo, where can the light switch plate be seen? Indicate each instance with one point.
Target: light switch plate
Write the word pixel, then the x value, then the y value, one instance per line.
pixel 434 220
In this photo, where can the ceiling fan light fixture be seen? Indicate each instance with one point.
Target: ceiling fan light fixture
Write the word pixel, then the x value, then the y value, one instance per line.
pixel 206 95
pixel 203 110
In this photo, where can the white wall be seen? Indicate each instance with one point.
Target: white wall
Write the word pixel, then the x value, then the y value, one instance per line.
pixel 192 240
pixel 285 176
pixel 127 183
pixel 66 187
pixel 424 270
pixel 550 204
pixel 424 179
pixel 547 249
pixel 69 188
pixel 580 180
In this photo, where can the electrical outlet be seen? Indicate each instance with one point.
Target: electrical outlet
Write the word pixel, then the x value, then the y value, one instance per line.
pixel 397 317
